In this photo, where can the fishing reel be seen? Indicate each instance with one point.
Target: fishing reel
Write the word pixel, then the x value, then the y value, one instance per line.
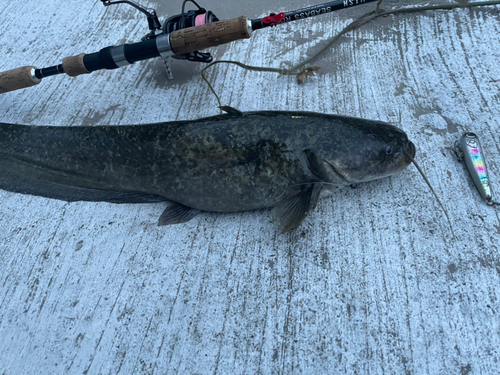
pixel 180 21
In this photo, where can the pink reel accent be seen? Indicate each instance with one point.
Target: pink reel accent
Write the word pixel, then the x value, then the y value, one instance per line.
pixel 200 19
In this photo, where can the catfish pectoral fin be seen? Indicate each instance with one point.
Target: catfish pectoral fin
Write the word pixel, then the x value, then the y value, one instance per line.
pixel 291 212
pixel 176 213
pixel 316 166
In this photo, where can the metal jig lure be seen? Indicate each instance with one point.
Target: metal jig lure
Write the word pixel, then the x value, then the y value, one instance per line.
pixel 469 149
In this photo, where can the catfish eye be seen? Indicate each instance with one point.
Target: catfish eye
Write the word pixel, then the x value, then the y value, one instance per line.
pixel 388 150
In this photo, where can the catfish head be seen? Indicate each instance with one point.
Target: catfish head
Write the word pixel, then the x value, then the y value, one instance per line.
pixel 365 151
pixel 346 152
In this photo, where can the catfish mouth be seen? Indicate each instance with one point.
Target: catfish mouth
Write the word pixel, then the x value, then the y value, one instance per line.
pixel 410 150
pixel 409 153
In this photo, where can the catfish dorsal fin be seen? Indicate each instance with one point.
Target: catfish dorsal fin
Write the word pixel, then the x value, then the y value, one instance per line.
pixel 231 111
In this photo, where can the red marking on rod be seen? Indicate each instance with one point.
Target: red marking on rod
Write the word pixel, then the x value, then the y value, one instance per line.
pixel 274 18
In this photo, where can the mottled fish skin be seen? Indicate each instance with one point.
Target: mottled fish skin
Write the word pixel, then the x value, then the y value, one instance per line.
pixel 224 163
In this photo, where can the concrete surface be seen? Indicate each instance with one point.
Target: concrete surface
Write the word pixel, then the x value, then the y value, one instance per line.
pixel 373 281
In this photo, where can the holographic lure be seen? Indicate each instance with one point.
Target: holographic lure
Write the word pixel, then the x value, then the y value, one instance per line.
pixel 469 149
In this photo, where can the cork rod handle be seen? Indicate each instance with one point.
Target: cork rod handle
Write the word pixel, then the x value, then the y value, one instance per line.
pixel 19 78
pixel 209 35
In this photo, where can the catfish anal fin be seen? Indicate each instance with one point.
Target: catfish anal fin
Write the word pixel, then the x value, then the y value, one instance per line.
pixel 291 212
pixel 176 213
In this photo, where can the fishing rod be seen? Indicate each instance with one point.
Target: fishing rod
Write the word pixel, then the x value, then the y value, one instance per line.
pixel 181 37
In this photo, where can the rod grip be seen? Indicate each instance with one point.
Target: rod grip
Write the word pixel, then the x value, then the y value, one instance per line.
pixel 74 66
pixel 17 79
pixel 209 35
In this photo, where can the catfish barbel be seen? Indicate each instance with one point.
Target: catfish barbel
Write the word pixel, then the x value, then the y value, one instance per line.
pixel 225 163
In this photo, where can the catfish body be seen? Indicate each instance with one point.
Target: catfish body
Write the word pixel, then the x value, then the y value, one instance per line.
pixel 231 162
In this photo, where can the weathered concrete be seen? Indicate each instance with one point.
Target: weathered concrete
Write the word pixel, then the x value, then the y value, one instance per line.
pixel 373 282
